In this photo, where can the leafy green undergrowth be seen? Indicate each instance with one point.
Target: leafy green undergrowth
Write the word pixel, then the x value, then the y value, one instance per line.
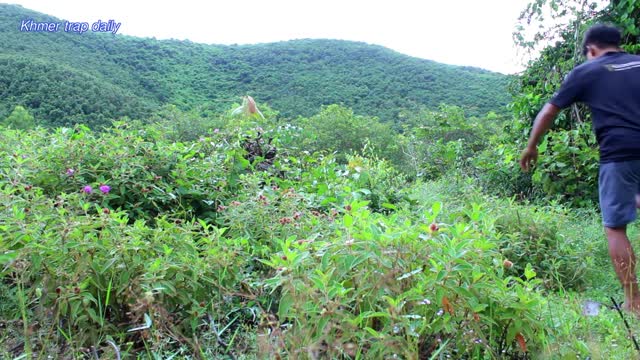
pixel 559 243
pixel 184 249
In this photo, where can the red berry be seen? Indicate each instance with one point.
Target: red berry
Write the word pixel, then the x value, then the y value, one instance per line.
pixel 284 257
pixel 434 227
pixel 348 207
pixel 106 211
pixel 508 264
pixel 521 342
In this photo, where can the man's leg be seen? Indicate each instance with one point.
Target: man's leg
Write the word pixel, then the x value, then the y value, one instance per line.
pixel 619 193
pixel 624 263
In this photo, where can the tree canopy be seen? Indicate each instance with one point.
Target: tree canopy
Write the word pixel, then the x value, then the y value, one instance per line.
pixel 65 78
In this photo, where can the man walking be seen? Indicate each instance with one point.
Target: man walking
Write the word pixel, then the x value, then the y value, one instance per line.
pixel 609 83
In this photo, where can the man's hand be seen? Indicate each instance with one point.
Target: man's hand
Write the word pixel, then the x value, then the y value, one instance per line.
pixel 529 157
pixel 541 124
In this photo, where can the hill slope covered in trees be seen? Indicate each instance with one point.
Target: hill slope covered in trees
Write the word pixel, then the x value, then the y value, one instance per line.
pixel 64 77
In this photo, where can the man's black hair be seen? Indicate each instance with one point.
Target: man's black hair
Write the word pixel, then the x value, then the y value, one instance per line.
pixel 602 36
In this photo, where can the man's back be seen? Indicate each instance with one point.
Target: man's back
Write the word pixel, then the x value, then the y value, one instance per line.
pixel 610 85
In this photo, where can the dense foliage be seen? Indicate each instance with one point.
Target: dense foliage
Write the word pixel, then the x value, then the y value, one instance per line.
pixel 206 233
pixel 181 235
pixel 140 240
pixel 66 78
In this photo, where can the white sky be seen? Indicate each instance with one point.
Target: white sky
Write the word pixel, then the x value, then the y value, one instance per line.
pixel 462 32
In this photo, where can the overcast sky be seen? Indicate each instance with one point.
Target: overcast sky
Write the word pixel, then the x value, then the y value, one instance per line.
pixel 463 32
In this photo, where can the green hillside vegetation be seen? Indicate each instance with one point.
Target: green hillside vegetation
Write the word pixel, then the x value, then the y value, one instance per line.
pixel 225 232
pixel 109 76
pixel 138 242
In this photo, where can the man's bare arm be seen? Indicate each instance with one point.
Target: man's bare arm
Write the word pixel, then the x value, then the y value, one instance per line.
pixel 540 126
pixel 542 123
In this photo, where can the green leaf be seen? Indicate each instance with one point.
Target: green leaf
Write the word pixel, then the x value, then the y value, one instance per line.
pixel 286 301
pixel 7 257
pixel 543 146
pixel 93 316
pixel 389 206
pixel 373 332
pixel 436 208
pixel 348 220
pixel 529 273
pixel 409 274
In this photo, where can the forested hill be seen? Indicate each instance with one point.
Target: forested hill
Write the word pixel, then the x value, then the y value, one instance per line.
pixel 65 77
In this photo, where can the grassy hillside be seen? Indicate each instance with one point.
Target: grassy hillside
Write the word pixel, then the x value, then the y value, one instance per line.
pixel 64 78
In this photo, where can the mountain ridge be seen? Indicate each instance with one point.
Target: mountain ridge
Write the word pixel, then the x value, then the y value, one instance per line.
pixel 295 77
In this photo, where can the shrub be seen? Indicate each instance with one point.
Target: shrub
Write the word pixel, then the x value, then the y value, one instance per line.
pixel 338 129
pixel 383 287
pixel 90 276
pixel 329 258
pixel 568 166
pixel 498 172
pixel 537 237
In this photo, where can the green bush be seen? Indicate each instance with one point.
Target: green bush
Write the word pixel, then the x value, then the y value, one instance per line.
pixel 338 129
pixel 443 141
pixel 568 166
pixel 83 273
pixel 551 237
pixel 146 177
pixel 19 119
pixel 538 236
pixel 497 171
pixel 383 287
pixel 326 257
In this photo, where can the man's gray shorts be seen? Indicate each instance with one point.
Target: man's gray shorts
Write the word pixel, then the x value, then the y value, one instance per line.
pixel 619 182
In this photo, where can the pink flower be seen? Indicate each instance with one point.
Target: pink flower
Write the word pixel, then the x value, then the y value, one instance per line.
pixel 87 189
pixel 215 131
pixel 70 172
pixel 105 189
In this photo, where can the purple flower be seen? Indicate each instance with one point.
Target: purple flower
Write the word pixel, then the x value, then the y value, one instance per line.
pixel 215 131
pixel 425 302
pixel 105 189
pixel 87 189
pixel 70 172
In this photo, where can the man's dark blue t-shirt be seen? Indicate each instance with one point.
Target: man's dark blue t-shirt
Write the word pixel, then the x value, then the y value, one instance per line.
pixel 610 86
